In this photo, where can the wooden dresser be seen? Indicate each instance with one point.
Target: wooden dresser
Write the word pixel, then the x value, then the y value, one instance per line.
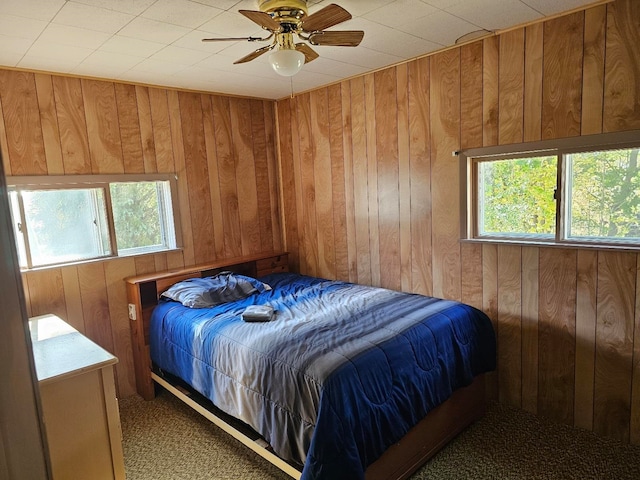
pixel 79 404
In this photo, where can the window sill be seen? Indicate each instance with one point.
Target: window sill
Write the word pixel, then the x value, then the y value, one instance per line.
pixel 553 244
pixel 95 260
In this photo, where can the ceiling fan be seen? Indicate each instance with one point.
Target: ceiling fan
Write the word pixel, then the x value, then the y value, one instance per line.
pixel 286 18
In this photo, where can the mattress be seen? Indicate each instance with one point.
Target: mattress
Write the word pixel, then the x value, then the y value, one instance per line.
pixel 342 371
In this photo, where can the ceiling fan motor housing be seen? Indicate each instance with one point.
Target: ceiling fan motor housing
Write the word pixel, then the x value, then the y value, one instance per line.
pixel 271 6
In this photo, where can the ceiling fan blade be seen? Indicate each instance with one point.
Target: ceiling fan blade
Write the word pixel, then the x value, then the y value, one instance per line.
pixel 254 54
pixel 327 17
pixel 309 53
pixel 232 39
pixel 346 38
pixel 261 18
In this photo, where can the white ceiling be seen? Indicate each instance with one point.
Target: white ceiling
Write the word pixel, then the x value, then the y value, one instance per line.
pixel 158 42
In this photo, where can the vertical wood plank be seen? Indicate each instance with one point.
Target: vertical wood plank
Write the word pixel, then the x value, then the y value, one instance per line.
pixel 372 179
pixel 562 79
pixel 471 95
pixel 4 150
pixel 146 130
pixel 307 179
pixel 360 175
pixel 509 318
pixel 22 119
pixel 72 297
pixel 349 181
pixel 490 110
pixel 587 283
pixel 287 183
pixel 46 292
pixel 183 189
pixel 72 125
pixel 212 168
pixel 404 175
pixel 471 278
pixel 227 176
pixel 95 305
pixel 595 20
pixel 634 436
pixel 197 175
pixel 533 82
pixel 263 187
pixel 556 330
pixel 445 192
pixel 161 125
pixel 127 105
pixel 490 307
pixel 386 125
pixel 622 75
pixel 273 177
pixel 103 129
pixel 322 175
pixel 338 183
pixel 420 168
pixel 614 343
pixel 245 175
pixel 511 87
pixel 49 122
pixel 297 178
pixel 115 271
pixel 530 299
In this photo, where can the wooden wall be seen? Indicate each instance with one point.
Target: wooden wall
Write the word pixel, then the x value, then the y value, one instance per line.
pixel 222 149
pixel 371 193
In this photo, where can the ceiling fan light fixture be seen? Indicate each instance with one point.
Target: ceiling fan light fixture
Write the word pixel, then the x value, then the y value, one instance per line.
pixel 286 62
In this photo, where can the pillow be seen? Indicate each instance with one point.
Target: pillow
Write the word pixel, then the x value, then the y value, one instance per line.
pixel 211 291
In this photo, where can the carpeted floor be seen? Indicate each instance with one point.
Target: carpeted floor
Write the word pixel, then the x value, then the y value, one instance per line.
pixel 165 440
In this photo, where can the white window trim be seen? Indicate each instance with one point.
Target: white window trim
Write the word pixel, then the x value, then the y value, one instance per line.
pixel 557 147
pixel 44 182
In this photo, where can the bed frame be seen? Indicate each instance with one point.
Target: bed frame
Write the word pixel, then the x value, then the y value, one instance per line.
pixel 441 425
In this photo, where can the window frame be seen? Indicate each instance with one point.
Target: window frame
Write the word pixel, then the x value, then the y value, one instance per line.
pixel 470 158
pixel 70 182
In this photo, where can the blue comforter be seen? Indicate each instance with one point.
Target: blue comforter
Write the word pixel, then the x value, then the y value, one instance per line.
pixel 341 373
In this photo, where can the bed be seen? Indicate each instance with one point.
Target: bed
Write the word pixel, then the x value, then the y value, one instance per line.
pixel 346 382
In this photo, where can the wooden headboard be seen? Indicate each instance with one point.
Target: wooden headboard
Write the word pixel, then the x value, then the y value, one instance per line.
pixel 143 292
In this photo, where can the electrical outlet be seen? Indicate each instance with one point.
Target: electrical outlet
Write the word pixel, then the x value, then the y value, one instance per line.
pixel 132 311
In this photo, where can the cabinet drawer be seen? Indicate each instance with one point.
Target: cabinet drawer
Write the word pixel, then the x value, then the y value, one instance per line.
pixel 279 263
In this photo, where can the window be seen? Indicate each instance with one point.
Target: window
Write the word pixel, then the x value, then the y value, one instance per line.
pixel 584 190
pixel 60 220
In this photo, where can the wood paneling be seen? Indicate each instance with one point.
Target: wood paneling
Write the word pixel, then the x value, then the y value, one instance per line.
pixel 103 127
pixel 471 95
pixel 25 144
pixel 556 333
pixel 49 123
pixel 72 125
pixel 593 69
pixel 614 343
pixel 65 125
pixel 490 62
pixel 622 69
pixel 387 169
pixel 445 192
pixel 420 173
pixel 562 78
pixel 510 321
pixel 564 318
pixel 533 82
pixel 511 87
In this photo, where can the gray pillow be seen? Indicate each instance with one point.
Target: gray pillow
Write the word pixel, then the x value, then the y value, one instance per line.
pixel 211 291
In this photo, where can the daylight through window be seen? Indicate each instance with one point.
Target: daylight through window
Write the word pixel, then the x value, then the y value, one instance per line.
pixel 571 194
pixel 60 220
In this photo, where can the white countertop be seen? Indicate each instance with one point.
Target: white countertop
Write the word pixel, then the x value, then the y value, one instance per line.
pixel 60 351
